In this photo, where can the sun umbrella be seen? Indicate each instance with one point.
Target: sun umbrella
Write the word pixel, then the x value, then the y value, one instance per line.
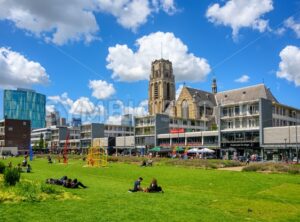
pixel 206 150
pixel 155 149
pixel 194 150
pixel 179 149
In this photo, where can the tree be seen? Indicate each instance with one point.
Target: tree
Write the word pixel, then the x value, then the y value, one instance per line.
pixel 41 142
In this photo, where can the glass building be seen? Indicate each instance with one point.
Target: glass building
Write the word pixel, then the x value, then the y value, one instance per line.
pixel 24 104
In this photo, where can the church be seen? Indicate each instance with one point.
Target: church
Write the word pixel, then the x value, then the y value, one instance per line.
pixel 238 119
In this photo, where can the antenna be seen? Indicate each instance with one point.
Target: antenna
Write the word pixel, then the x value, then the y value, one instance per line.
pixel 161 50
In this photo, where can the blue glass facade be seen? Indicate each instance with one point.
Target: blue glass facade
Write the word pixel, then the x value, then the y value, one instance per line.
pixel 25 105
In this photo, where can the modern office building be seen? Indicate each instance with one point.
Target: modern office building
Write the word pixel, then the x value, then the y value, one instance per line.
pixel 127 120
pixel 37 134
pixel 52 119
pixel 15 133
pixel 25 104
pixel 90 131
pixel 76 122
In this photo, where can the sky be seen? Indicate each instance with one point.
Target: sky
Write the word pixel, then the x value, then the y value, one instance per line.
pixel 92 58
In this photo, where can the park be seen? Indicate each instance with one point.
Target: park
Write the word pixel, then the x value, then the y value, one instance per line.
pixel 191 193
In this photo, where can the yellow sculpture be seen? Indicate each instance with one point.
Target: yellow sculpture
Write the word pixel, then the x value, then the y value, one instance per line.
pixel 97 157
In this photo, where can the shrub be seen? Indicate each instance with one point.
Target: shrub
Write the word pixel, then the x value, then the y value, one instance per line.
pixel 48 189
pixel 252 167
pixel 28 190
pixel 11 176
pixel 2 167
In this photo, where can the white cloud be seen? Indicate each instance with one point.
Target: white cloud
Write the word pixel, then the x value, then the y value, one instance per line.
pixel 239 14
pixel 60 21
pixel 129 13
pixel 114 120
pixel 292 24
pixel 243 79
pixel 167 6
pixel 50 108
pixel 57 21
pixel 289 67
pixel 83 106
pixel 63 100
pixel 18 71
pixel 140 110
pixel 130 66
pixel 101 89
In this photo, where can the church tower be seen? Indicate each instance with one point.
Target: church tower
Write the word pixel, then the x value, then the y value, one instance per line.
pixel 161 89
pixel 214 87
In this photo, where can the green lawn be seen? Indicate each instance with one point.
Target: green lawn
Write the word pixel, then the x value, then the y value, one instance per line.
pixel 190 195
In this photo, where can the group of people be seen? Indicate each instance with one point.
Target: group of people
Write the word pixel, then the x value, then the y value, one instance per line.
pixel 147 163
pixel 153 187
pixel 20 167
pixel 66 182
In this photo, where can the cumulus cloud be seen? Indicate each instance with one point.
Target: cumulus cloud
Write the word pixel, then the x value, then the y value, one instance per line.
pixel 101 89
pixel 243 79
pixel 128 65
pixel 50 108
pixel 140 110
pixel 57 21
pixel 62 99
pixel 83 106
pixel 61 21
pixel 293 25
pixel 114 120
pixel 239 14
pixel 130 14
pixel 289 66
pixel 167 6
pixel 18 71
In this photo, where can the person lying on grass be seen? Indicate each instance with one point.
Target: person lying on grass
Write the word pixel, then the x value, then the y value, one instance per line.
pixel 137 185
pixel 154 188
pixel 74 184
pixel 60 181
pixel 64 181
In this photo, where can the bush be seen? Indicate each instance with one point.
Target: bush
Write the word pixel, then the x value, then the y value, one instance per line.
pixel 2 167
pixel 48 189
pixel 273 167
pixel 29 191
pixel 11 176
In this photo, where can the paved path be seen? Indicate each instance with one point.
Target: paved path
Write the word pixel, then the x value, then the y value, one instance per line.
pixel 239 168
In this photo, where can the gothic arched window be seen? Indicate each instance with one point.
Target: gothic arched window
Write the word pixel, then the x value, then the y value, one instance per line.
pixel 156 91
pixel 185 109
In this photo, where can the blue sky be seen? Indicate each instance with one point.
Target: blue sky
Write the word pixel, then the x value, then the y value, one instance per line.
pixel 93 57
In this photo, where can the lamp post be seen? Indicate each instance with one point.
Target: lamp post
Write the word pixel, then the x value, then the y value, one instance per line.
pixel 297 150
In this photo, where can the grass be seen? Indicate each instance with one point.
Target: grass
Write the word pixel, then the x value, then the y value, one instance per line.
pixel 190 195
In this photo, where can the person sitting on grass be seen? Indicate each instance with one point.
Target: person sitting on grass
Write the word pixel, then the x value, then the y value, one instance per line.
pixel 28 170
pixel 137 185
pixel 154 188
pixel 49 159
pixel 24 162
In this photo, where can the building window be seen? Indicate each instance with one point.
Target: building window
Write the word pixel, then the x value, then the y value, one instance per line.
pixel 24 123
pixel 10 128
pixel 156 92
pixel 185 109
pixel 168 91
